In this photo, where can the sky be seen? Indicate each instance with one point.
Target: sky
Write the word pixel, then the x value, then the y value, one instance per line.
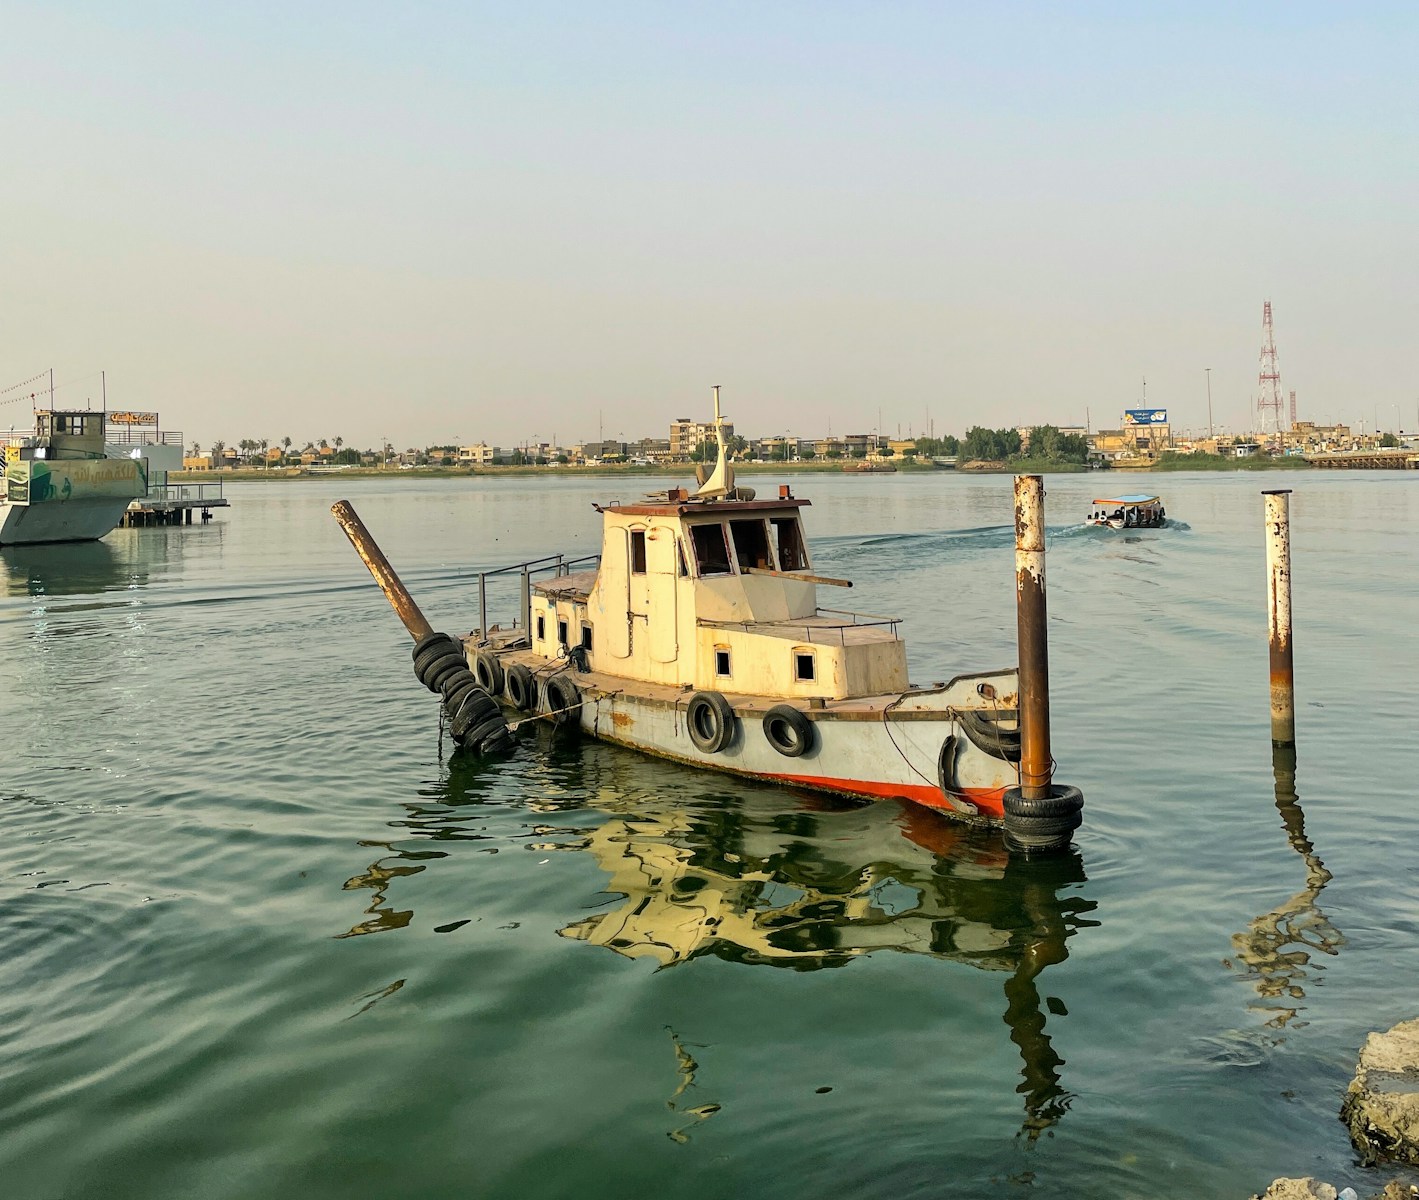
pixel 430 223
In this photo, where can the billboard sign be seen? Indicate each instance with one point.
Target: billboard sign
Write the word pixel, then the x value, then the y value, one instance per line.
pixel 132 418
pixel 1145 416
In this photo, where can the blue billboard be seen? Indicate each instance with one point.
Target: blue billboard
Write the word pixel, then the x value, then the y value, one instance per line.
pixel 1145 416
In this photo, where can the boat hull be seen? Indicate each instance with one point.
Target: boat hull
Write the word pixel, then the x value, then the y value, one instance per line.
pixel 910 746
pixel 65 500
pixel 64 521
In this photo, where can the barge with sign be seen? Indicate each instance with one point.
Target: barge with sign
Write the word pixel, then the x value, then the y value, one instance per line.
pixel 61 485
pixel 698 634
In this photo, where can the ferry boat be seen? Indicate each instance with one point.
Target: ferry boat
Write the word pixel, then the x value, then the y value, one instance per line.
pixel 1127 512
pixel 61 485
pixel 697 634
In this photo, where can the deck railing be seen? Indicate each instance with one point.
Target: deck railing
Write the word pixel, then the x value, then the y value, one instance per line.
pixel 168 493
pixel 556 564
pixel 855 620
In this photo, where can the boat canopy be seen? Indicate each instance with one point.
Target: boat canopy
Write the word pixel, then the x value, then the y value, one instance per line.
pixel 1128 500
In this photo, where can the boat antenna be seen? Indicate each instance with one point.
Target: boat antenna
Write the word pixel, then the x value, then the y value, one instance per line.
pixel 721 482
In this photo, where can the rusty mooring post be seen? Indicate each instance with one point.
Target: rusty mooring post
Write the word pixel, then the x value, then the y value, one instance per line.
pixel 398 595
pixel 1036 765
pixel 1278 616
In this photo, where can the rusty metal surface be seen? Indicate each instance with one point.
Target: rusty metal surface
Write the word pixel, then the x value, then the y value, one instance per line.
pixel 395 591
pixel 1036 763
pixel 1278 616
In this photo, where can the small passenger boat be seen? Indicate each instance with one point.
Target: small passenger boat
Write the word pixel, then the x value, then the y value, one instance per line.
pixel 697 634
pixel 1127 512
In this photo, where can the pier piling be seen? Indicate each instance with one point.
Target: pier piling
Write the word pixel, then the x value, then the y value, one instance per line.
pixel 1278 616
pixel 1036 764
pixel 390 584
pixel 1039 814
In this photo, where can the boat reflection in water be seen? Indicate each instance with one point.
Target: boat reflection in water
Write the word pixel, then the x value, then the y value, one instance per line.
pixel 766 878
pixel 1274 951
pixel 62 569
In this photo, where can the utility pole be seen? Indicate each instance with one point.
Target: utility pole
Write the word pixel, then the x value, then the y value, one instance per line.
pixel 1209 403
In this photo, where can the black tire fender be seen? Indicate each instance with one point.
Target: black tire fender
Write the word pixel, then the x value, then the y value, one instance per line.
pixel 710 721
pixel 561 696
pixel 788 731
pixel 488 671
pixel 435 639
pixel 520 687
pixel 1043 824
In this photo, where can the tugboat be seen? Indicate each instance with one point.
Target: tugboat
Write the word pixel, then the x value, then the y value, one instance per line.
pixel 697 635
pixel 60 484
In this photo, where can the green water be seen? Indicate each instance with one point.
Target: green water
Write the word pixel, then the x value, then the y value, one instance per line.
pixel 260 936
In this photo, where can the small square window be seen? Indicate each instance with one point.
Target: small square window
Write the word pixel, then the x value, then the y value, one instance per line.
pixel 561 633
pixel 804 667
pixel 721 662
pixel 541 628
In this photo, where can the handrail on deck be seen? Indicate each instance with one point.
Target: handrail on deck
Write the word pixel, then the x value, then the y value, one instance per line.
pixel 560 564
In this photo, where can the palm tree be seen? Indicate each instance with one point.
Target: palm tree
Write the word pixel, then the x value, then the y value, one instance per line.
pixel 265 442
pixel 285 448
pixel 217 448
pixel 339 441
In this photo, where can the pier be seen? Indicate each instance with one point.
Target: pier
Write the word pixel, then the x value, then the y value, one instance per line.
pixel 1367 460
pixel 174 504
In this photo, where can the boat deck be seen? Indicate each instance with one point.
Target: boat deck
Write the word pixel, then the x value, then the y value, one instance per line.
pixel 575 585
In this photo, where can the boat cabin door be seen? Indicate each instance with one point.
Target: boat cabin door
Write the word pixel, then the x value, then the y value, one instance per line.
pixel 662 580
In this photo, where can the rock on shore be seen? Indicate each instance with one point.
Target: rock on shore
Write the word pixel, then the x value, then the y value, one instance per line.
pixel 1381 1105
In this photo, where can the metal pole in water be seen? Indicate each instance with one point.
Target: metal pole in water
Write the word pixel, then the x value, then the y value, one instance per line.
pixel 390 584
pixel 526 603
pixel 482 607
pixel 1278 616
pixel 1036 764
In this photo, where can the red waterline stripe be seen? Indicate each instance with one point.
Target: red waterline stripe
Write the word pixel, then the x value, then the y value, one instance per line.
pixel 987 800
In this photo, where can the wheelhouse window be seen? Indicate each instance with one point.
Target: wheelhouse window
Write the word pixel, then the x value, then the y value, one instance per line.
pixel 541 627
pixel 586 636
pixel 751 543
pixel 561 633
pixel 804 668
pixel 680 556
pixel 792 553
pixel 711 550
pixel 721 661
pixel 637 551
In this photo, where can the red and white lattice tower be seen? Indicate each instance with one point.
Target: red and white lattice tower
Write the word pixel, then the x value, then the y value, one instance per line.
pixel 1268 397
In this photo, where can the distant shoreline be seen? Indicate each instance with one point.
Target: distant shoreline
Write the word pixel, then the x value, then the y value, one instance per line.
pixel 305 474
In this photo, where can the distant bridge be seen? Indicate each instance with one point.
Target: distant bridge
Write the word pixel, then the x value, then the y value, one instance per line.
pixel 1367 460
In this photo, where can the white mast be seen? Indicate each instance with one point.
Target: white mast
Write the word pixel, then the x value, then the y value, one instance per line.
pixel 721 482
